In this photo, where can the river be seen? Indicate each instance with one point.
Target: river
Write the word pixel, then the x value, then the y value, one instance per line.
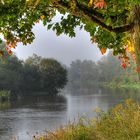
pixel 35 115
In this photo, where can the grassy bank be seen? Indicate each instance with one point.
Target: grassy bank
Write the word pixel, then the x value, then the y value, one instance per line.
pixel 122 85
pixel 5 95
pixel 120 123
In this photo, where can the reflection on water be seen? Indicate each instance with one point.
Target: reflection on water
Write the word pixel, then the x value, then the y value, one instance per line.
pixel 5 105
pixel 32 115
pixel 29 115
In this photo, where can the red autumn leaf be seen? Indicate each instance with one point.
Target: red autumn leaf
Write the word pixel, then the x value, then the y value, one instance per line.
pixel 123 65
pixel 10 52
pixel 7 48
pixel 12 45
pixel 103 50
pixel 100 4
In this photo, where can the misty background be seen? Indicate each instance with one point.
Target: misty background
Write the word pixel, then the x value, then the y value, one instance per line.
pixel 63 48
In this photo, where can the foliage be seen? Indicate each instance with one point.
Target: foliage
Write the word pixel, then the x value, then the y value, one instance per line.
pixel 128 85
pixel 107 21
pixel 107 71
pixel 5 104
pixel 121 122
pixel 52 72
pixel 35 74
pixel 5 95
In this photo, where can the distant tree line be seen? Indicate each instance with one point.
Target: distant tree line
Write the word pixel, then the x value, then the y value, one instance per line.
pixel 88 73
pixel 34 74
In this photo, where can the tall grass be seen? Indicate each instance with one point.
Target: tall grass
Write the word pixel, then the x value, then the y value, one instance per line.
pixel 5 95
pixel 120 123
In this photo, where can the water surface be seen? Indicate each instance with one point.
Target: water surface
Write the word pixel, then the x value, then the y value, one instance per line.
pixel 32 115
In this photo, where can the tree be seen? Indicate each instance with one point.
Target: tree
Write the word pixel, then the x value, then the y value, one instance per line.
pixel 33 74
pixel 54 76
pixel 109 68
pixel 112 24
pixel 82 74
pixel 88 74
pixel 34 60
pixel 10 73
pixel 30 78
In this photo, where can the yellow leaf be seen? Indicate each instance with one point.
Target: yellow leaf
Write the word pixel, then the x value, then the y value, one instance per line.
pixel 42 17
pixel 1 53
pixel 90 4
pixel 130 47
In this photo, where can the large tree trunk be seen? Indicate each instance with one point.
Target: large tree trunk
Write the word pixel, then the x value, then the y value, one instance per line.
pixel 136 37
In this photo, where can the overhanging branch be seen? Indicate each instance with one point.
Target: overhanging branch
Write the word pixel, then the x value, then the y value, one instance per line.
pixel 97 17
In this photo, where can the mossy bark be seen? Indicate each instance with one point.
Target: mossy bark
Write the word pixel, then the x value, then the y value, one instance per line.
pixel 136 37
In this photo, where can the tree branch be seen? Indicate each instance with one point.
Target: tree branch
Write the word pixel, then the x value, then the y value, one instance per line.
pixel 97 17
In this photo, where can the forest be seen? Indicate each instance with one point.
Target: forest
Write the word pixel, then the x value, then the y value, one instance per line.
pixel 33 74
pixel 107 72
pixel 48 75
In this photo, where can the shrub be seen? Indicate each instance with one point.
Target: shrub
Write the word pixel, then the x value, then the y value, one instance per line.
pixel 5 95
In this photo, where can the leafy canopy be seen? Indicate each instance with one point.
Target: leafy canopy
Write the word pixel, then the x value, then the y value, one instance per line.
pixel 107 21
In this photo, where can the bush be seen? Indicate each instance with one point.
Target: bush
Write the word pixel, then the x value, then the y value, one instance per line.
pixel 4 95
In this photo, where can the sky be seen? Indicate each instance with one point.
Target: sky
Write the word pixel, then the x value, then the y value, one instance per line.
pixel 62 48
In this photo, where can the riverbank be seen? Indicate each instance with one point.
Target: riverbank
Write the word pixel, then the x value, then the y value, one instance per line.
pixel 121 122
pixel 5 95
pixel 114 85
